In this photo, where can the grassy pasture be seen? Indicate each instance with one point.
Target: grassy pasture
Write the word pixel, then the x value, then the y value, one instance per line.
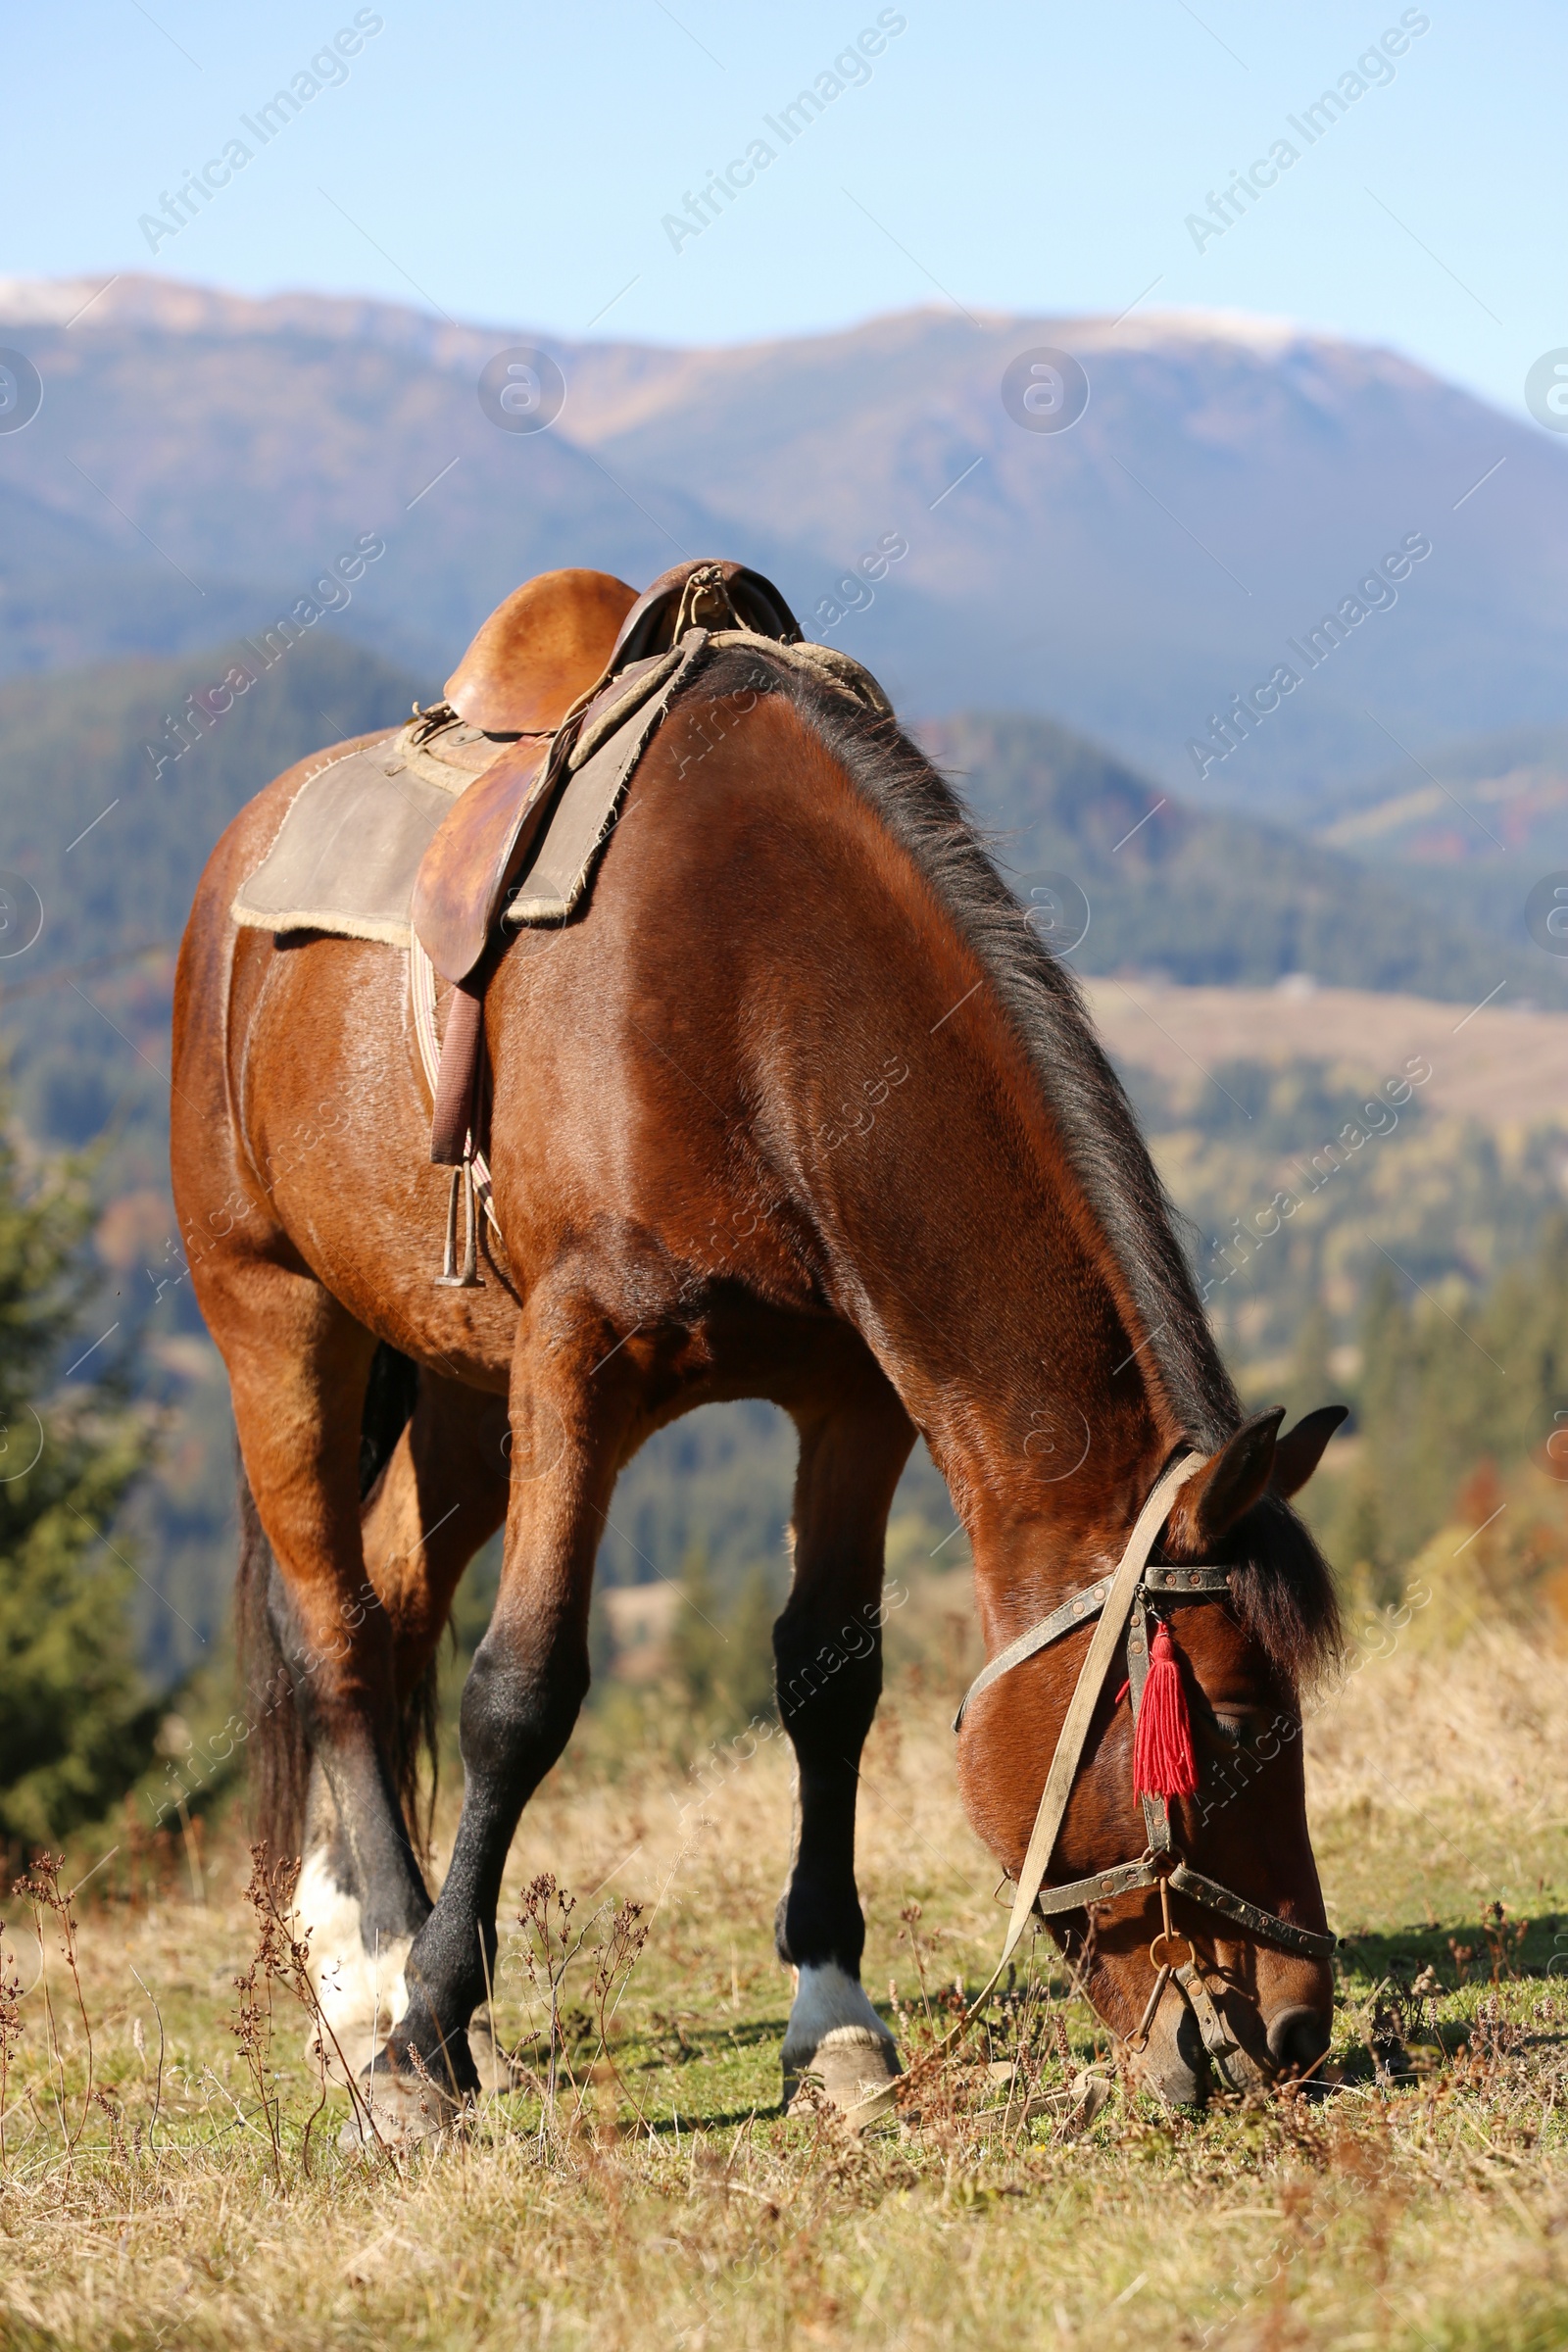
pixel 160 2190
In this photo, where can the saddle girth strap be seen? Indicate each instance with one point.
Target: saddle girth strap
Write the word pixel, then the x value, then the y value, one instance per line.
pixel 454 1127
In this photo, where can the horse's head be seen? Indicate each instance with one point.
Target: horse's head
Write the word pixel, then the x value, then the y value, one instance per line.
pixel 1226 1981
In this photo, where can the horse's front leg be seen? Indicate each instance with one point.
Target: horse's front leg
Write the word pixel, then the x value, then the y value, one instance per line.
pixel 528 1680
pixel 828 1648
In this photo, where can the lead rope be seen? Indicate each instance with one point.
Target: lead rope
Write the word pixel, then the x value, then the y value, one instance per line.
pixel 1124 1609
pixel 1118 1607
pixel 1092 1674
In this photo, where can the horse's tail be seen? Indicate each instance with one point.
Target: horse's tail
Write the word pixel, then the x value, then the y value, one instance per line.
pixel 390 1395
pixel 279 1752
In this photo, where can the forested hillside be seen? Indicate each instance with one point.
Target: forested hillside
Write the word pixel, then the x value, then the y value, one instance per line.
pixel 1210 898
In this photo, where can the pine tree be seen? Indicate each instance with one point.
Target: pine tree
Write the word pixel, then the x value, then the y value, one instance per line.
pixel 1311 1382
pixel 745 1677
pixel 698 1643
pixel 76 1723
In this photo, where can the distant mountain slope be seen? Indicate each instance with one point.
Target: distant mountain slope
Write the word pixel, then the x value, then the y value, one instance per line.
pixel 1205 898
pixel 1231 482
pixel 74 748
pixel 1470 829
pixel 115 849
pixel 70 595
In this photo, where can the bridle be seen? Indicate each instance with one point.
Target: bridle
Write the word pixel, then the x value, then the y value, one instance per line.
pixel 1120 1602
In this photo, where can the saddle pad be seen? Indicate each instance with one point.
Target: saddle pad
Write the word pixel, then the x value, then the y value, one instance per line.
pixel 350 845
pixel 349 849
pixel 348 853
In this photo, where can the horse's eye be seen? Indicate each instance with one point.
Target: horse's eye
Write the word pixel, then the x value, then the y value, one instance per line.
pixel 1238 1725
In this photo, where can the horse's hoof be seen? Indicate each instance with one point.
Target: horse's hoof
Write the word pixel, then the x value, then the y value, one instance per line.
pixel 835 2036
pixel 399 2111
pixel 494 2065
pixel 855 2069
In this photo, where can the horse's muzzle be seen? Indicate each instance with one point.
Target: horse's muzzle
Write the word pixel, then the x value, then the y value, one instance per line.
pixel 1174 2067
pixel 1177 2068
pixel 1299 2038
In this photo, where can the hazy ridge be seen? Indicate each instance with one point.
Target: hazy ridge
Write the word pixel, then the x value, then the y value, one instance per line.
pixel 1230 482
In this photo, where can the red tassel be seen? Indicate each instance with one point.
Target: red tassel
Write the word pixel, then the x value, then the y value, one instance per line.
pixel 1163 1763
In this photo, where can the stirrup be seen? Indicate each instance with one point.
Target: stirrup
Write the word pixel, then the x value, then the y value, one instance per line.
pixel 470 1278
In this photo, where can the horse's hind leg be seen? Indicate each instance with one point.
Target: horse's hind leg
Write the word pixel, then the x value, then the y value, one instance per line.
pixel 828 1648
pixel 440 1495
pixel 298 1365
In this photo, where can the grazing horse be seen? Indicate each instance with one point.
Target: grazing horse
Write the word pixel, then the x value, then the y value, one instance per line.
pixel 796 1107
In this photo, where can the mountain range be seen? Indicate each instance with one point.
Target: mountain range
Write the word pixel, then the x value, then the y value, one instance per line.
pixel 1208 897
pixel 1231 482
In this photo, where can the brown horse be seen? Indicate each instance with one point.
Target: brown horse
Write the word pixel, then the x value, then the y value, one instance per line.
pixel 796 1107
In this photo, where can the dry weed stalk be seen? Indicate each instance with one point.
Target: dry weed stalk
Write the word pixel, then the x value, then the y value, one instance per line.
pixel 617 1959
pixel 548 1951
pixel 158 2086
pixel 282 1957
pixel 252 2028
pixel 551 1945
pixel 910 1935
pixel 10 2034
pixel 41 1890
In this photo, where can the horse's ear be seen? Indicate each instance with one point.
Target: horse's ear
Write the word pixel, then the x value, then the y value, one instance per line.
pixel 1229 1484
pixel 1299 1451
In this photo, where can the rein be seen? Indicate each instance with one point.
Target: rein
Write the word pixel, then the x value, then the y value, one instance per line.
pixel 1120 1603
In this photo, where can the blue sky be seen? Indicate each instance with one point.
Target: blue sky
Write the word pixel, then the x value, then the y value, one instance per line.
pixel 517 165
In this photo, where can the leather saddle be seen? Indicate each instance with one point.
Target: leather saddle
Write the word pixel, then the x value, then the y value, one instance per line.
pixel 556 655
pixel 538 651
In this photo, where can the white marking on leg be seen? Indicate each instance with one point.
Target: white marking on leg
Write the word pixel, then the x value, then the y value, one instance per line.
pixel 829 2003
pixel 362 1993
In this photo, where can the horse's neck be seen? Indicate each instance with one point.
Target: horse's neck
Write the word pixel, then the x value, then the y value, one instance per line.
pixel 961 1243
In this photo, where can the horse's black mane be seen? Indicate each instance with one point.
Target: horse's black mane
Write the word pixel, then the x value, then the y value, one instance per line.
pixel 1289 1601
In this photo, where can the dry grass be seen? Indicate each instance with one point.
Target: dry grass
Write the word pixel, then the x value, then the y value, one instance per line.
pixel 662 2200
